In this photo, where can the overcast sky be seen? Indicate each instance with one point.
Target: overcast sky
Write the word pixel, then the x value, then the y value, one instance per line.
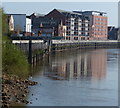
pixel 111 8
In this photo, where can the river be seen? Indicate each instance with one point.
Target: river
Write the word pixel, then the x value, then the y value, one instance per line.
pixel 86 77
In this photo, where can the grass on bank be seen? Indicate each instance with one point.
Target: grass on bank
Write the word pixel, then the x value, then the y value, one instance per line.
pixel 14 60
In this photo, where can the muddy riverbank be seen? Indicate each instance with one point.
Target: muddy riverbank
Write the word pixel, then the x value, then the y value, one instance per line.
pixel 15 90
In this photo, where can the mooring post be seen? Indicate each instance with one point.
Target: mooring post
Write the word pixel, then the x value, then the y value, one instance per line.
pixel 30 51
pixel 95 45
pixel 49 45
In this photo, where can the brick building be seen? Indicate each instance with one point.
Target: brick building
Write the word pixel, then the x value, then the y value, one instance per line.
pixel 77 25
pixel 45 26
pixel 98 25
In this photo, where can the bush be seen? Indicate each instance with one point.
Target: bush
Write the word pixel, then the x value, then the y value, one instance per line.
pixel 14 60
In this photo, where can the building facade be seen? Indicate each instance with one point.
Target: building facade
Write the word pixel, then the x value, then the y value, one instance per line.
pixel 62 30
pixel 42 25
pixel 77 25
pixel 118 34
pixel 98 24
pixel 28 24
pixel 10 22
pixel 112 33
pixel 21 23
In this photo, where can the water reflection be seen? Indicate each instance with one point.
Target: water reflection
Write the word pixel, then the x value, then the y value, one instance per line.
pixel 83 64
pixel 77 78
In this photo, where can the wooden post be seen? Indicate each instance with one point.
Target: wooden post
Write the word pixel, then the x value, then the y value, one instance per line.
pixel 49 45
pixel 30 51
pixel 95 45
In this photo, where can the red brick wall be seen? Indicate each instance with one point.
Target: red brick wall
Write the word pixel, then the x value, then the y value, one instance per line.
pixel 100 27
pixel 56 15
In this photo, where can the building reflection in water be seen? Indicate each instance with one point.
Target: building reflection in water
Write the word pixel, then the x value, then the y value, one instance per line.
pixel 86 64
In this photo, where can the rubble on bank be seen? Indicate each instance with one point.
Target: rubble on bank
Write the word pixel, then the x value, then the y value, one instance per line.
pixel 15 90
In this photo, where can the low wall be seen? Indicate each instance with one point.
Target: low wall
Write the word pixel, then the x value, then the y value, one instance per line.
pixel 24 45
pixel 35 49
pixel 64 45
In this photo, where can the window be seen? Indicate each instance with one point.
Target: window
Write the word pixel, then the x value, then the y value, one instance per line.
pixel 75 38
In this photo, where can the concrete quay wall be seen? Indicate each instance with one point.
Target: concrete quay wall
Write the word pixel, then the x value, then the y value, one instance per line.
pixel 64 45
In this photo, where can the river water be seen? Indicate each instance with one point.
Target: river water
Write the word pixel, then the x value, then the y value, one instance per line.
pixel 76 78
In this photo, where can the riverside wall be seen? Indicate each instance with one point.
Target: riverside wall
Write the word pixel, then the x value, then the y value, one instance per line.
pixel 64 45
pixel 35 49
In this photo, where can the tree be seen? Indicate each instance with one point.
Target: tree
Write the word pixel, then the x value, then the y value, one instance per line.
pixel 14 60
pixel 4 21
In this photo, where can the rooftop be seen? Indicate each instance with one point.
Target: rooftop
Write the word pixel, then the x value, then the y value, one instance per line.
pixel 15 14
pixel 38 14
pixel 70 12
pixel 91 12
pixel 96 12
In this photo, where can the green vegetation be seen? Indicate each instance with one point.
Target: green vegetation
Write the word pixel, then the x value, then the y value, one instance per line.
pixel 14 60
pixel 39 52
pixel 0 43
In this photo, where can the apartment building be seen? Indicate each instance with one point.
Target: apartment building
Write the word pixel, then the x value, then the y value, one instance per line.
pixel 44 26
pixel 77 25
pixel 98 24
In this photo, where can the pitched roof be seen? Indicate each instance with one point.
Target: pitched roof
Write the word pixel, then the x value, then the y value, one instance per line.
pixel 97 12
pixel 74 14
pixel 38 14
pixel 70 12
